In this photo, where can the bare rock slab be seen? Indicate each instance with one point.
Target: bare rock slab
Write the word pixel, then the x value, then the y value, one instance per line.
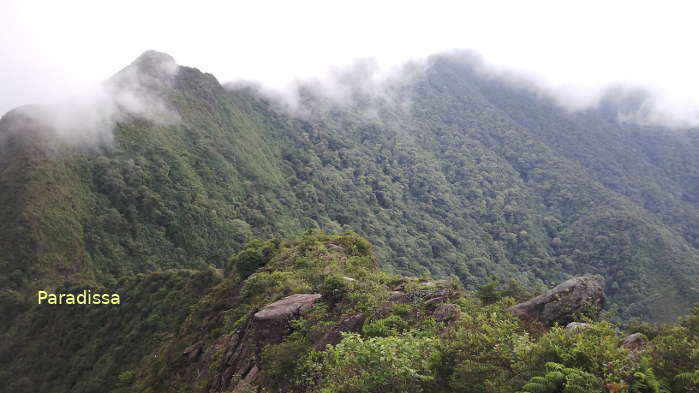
pixel 565 303
pixel 271 324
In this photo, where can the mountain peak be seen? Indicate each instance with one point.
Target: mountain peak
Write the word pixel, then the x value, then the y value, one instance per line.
pixel 154 64
pixel 155 58
pixel 152 70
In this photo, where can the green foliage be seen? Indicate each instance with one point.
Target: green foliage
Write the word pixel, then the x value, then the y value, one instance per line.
pixel 151 344
pixel 561 379
pixel 254 255
pixel 86 348
pixel 676 355
pixel 691 323
pixel 281 361
pixel 517 291
pixel 390 326
pixel 125 379
pixel 595 350
pixel 397 364
pixel 484 352
pixel 645 381
pixel 688 381
pixel 477 179
pixel 649 330
pixel 334 289
pixel 489 293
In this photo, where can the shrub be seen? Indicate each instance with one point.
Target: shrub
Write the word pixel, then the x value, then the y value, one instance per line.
pixel 390 326
pixel 399 364
pixel 561 379
pixel 255 254
pixel 334 289
pixel 280 361
pixel 489 293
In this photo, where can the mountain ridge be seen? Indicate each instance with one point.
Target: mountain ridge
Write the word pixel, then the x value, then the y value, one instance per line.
pixel 473 178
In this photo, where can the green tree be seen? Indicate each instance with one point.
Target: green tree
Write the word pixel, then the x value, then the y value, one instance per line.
pixel 489 293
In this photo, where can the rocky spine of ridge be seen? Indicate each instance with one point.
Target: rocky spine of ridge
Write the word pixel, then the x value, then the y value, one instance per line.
pixel 241 349
pixel 270 325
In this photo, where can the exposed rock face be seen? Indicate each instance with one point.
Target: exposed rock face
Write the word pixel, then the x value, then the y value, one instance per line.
pixel 428 296
pixel 193 351
pixel 230 363
pixel 565 302
pixel 577 327
pixel 271 324
pixel 400 287
pixel 446 312
pixel 634 342
pixel 268 326
pixel 351 324
pixel 336 247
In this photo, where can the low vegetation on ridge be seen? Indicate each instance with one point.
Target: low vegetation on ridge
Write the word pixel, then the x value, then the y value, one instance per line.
pixel 414 335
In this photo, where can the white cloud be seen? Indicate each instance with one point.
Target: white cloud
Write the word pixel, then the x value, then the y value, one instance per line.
pixel 52 49
pixel 87 119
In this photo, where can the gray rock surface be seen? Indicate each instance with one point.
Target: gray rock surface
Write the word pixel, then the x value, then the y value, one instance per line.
pixel 565 302
pixel 267 326
pixel 634 342
pixel 287 307
pixel 446 312
pixel 271 324
pixel 432 296
pixel 577 326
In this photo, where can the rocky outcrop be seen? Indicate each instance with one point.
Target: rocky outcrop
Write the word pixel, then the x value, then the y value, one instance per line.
pixel 577 327
pixel 271 324
pixel 335 247
pixel 634 342
pixel 427 296
pixel 351 324
pixel 193 351
pixel 230 363
pixel 267 326
pixel 446 312
pixel 564 303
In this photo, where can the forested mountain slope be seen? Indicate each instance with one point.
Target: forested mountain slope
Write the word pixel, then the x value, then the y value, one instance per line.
pixel 446 171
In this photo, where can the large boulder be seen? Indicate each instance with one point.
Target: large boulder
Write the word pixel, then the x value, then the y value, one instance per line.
pixel 634 342
pixel 565 303
pixel 271 324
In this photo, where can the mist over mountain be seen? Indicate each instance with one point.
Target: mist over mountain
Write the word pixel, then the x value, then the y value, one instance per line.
pixel 447 170
pixel 248 228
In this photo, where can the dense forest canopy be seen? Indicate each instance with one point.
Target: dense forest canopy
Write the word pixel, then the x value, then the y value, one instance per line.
pixel 448 172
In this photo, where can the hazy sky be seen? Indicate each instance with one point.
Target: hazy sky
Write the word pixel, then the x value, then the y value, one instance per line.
pixel 51 49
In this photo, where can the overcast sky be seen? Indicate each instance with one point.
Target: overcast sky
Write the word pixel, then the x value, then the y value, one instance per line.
pixel 52 49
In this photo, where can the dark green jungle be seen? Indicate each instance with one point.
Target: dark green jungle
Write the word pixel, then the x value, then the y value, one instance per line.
pixel 366 239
